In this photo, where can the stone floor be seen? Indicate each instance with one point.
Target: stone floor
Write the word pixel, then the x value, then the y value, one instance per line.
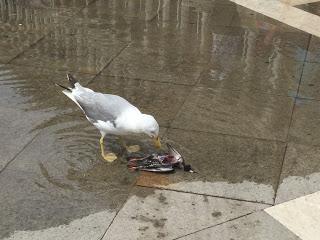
pixel 236 92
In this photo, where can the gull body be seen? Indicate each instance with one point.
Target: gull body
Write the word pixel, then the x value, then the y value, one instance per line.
pixel 111 114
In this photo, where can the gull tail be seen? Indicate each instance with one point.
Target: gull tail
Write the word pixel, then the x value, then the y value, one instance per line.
pixel 65 88
pixel 70 91
pixel 72 80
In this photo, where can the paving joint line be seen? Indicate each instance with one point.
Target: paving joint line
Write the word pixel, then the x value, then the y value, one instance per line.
pixel 20 151
pixel 202 194
pixel 29 47
pixel 193 86
pixel 46 34
pixel 291 121
pixel 215 225
pixel 122 205
pixel 108 63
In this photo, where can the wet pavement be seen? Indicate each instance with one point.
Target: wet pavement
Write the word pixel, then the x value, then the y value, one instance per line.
pixel 234 91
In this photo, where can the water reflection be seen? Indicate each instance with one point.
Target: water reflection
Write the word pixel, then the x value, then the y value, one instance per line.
pixel 173 42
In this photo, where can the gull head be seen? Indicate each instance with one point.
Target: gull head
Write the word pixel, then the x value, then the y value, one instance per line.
pixel 150 127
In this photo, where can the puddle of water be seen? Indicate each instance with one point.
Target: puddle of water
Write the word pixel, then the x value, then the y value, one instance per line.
pixel 60 173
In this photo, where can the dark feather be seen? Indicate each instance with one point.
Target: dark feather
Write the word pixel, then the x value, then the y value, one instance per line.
pixel 59 85
pixel 72 80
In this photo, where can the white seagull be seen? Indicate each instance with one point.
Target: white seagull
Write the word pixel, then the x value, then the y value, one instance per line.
pixel 111 114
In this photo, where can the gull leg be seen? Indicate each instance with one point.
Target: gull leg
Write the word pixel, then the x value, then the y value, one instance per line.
pixel 109 157
pixel 130 149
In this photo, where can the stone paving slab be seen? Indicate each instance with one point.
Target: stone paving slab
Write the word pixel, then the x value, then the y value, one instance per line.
pixel 252 74
pixel 24 23
pixel 32 206
pixel 232 125
pixel 61 177
pixel 313 51
pixel 301 216
pixel 300 172
pixel 151 214
pixel 75 50
pixel 250 44
pixel 142 61
pixel 232 167
pixel 29 99
pixel 250 19
pixel 310 87
pixel 134 11
pixel 237 113
pixel 256 226
pixel 91 227
pixel 305 122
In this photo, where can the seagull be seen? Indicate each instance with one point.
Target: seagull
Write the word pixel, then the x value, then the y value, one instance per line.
pixel 111 114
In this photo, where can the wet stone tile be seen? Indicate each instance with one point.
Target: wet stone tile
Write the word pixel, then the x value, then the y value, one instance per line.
pixel 257 225
pixel 62 174
pixel 300 173
pixel 162 100
pixel 305 121
pixel 31 204
pixel 46 4
pixel 24 23
pixel 312 7
pixel 150 214
pixel 277 76
pixel 313 50
pixel 309 87
pixel 241 113
pixel 209 12
pixel 75 50
pixel 122 10
pixel 29 99
pixel 247 18
pixel 227 166
pixel 13 42
pixel 164 62
pixel 92 226
pixel 249 43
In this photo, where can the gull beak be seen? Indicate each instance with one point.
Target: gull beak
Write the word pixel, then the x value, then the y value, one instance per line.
pixel 157 142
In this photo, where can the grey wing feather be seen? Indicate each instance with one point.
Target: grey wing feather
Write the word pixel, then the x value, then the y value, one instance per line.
pixel 104 107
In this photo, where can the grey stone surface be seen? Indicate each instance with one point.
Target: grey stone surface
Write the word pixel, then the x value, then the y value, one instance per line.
pixel 305 122
pixel 59 178
pixel 23 23
pixel 227 166
pixel 29 99
pixel 72 50
pixel 167 214
pixel 310 87
pixel 256 226
pixel 278 76
pixel 313 51
pixel 236 112
pixel 300 173
pixel 250 19
pixel 91 227
pixel 222 82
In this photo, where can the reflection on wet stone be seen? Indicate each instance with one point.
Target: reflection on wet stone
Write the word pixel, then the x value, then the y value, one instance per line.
pixel 301 172
pixel 220 79
pixel 64 159
pixel 23 23
pixel 236 113
pixel 227 166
